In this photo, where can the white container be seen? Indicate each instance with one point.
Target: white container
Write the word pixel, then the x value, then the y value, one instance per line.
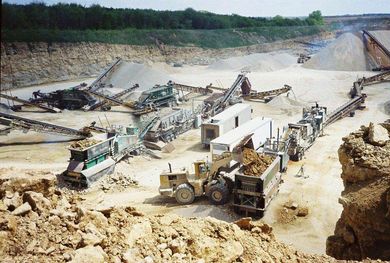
pixel 225 121
pixel 260 127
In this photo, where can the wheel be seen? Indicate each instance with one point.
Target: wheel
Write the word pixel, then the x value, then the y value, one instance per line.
pixel 218 194
pixel 184 194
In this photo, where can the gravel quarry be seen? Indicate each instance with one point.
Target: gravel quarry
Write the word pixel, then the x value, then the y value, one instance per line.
pixel 123 218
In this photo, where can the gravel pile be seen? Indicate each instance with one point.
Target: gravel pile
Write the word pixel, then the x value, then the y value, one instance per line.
pixel 346 53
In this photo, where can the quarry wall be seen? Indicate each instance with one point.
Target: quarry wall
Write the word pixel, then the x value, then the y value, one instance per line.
pixel 25 64
pixel 363 229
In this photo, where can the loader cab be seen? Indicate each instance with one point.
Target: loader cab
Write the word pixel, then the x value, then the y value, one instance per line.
pixel 201 169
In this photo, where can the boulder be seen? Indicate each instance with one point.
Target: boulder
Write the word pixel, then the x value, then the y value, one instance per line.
pixel 37 201
pixel 244 223
pixel 377 135
pixel 303 211
pixel 89 254
pixel 22 210
pixel 94 217
pixel 92 236
pixel 12 200
pixel 137 231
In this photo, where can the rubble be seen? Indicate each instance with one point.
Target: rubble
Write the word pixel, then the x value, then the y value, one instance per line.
pixel 290 211
pixel 66 231
pixel 116 181
pixel 83 144
pixel 363 230
pixel 255 163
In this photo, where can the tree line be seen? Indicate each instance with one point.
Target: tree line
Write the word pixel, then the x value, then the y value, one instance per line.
pixel 77 17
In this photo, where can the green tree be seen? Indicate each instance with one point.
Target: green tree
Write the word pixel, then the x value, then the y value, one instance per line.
pixel 315 18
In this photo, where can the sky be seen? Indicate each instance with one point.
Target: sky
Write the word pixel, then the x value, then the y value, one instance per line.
pixel 261 8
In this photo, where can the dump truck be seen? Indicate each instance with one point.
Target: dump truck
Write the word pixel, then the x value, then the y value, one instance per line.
pixel 91 159
pixel 256 183
pixel 208 179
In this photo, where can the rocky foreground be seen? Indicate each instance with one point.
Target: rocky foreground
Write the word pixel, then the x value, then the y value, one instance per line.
pixel 363 230
pixel 41 223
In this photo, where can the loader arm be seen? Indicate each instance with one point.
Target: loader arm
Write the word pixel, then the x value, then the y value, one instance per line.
pixel 221 161
pixel 225 158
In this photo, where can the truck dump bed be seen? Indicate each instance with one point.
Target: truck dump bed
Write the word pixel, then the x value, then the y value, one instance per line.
pixel 253 193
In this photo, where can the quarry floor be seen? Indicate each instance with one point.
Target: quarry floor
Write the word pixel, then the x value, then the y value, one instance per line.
pixel 319 191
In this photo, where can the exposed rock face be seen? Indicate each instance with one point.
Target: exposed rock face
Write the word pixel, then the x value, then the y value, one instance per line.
pixel 363 230
pixel 24 64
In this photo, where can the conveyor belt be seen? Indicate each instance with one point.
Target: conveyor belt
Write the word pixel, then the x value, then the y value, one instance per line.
pixel 94 86
pixel 236 84
pixel 21 123
pixel 26 102
pixel 188 88
pixel 345 109
pixel 385 50
pixel 269 93
pixel 110 99
pixel 362 82
pixel 381 77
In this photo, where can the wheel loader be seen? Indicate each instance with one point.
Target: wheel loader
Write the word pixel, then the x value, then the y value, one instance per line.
pixel 208 178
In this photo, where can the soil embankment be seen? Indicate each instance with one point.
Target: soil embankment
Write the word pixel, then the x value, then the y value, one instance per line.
pixel 363 230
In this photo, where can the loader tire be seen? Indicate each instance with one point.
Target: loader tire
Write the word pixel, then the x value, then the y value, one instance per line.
pixel 218 194
pixel 184 194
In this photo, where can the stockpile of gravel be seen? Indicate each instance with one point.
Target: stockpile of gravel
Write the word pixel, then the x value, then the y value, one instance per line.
pixel 346 53
pixel 128 74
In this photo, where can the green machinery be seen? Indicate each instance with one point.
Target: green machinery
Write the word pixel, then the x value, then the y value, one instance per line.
pixel 88 164
pixel 153 98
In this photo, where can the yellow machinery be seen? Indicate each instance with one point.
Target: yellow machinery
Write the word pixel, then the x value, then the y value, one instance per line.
pixel 207 178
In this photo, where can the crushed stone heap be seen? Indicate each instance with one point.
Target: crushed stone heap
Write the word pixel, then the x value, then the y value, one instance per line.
pixel 363 230
pixel 346 53
pixel 40 223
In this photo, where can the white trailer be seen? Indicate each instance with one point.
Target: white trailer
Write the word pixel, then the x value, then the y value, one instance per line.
pixel 225 121
pixel 260 127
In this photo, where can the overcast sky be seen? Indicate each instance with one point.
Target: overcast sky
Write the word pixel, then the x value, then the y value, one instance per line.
pixel 245 7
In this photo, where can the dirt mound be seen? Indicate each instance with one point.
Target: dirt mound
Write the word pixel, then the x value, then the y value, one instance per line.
pixel 363 229
pixel 53 226
pixel 128 74
pixel 346 53
pixel 255 62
